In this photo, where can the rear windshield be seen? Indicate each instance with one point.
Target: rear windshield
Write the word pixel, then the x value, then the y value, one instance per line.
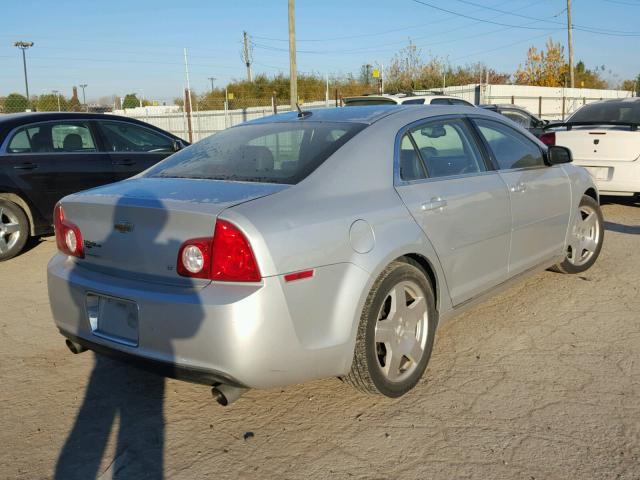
pixel 628 112
pixel 267 152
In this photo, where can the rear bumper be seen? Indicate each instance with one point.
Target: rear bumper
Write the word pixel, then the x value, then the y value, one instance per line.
pixel 165 369
pixel 256 335
pixel 614 178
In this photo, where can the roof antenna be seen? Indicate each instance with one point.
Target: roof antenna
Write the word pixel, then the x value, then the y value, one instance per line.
pixel 301 113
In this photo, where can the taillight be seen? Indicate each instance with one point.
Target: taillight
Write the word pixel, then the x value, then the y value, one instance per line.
pixel 227 257
pixel 548 138
pixel 68 236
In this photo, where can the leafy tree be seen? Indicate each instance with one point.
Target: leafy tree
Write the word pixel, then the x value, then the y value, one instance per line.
pixel 49 103
pixel 14 102
pixel 130 101
pixel 633 85
pixel 544 68
pixel 586 78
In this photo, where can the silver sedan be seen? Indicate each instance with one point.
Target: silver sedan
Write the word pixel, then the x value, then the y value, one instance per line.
pixel 328 243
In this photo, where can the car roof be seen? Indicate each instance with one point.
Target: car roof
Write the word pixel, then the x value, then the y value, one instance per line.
pixel 367 114
pixel 400 98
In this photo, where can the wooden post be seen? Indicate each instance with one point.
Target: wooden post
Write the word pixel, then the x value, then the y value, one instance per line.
pixel 513 100
pixel 336 96
pixel 540 106
pixel 563 108
pixel 274 103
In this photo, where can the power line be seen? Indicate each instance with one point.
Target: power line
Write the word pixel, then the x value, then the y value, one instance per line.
pixel 519 26
pixel 376 34
pixel 576 27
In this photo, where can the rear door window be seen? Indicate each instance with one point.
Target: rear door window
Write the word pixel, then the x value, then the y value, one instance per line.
pixel 274 152
pixel 447 148
pixel 510 148
pixel 53 137
pixel 128 137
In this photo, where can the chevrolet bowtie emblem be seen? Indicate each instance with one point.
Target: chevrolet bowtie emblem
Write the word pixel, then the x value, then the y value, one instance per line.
pixel 124 227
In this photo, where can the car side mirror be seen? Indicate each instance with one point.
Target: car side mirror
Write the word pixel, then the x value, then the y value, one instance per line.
pixel 557 155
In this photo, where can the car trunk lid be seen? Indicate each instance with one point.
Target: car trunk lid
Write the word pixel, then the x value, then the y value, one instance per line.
pixel 601 143
pixel 134 228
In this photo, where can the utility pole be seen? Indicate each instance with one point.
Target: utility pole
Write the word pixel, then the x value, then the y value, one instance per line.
pixel 247 56
pixel 24 46
pixel 570 35
pixel 211 79
pixel 84 99
pixel 293 77
pixel 187 99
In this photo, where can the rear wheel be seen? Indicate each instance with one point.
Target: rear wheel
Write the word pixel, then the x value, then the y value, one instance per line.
pixel 14 230
pixel 396 332
pixel 586 234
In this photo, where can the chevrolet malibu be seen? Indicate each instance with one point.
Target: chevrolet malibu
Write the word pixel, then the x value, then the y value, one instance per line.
pixel 328 243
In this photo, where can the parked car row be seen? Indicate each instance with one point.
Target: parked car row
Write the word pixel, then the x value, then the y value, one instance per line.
pixel 304 245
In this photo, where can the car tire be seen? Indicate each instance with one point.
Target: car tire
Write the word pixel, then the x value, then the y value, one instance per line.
pixel 585 238
pixel 14 230
pixel 392 350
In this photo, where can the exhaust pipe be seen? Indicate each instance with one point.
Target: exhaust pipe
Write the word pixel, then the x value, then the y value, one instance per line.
pixel 75 347
pixel 227 394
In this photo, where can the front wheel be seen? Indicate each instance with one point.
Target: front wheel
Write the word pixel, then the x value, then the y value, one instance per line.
pixel 586 234
pixel 396 332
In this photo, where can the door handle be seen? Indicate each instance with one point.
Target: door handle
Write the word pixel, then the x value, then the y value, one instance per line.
pixel 436 203
pixel 26 166
pixel 518 188
pixel 126 163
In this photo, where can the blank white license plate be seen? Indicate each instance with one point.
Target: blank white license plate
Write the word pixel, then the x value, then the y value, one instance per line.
pixel 113 318
pixel 599 173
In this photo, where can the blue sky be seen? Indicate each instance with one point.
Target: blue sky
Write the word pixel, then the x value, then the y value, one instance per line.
pixel 121 46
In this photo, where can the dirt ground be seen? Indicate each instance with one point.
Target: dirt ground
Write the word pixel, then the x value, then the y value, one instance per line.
pixel 541 382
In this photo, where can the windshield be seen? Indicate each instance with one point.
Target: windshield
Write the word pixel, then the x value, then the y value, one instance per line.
pixel 626 112
pixel 265 152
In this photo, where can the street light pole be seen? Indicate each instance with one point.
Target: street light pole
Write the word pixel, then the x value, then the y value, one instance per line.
pixel 84 99
pixel 211 79
pixel 24 46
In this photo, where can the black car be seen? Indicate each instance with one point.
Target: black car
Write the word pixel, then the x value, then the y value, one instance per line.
pixel 521 116
pixel 45 156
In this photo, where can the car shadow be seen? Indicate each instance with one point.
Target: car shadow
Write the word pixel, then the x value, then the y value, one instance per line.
pixel 120 396
pixel 621 228
pixel 630 201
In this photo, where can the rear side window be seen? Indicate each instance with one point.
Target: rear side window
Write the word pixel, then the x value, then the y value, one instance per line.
pixel 414 101
pixel 269 152
pixel 464 103
pixel 510 149
pixel 447 148
pixel 53 138
pixel 440 101
pixel 127 137
pixel 411 167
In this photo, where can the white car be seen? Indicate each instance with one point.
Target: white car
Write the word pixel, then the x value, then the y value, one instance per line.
pixel 403 99
pixel 604 138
